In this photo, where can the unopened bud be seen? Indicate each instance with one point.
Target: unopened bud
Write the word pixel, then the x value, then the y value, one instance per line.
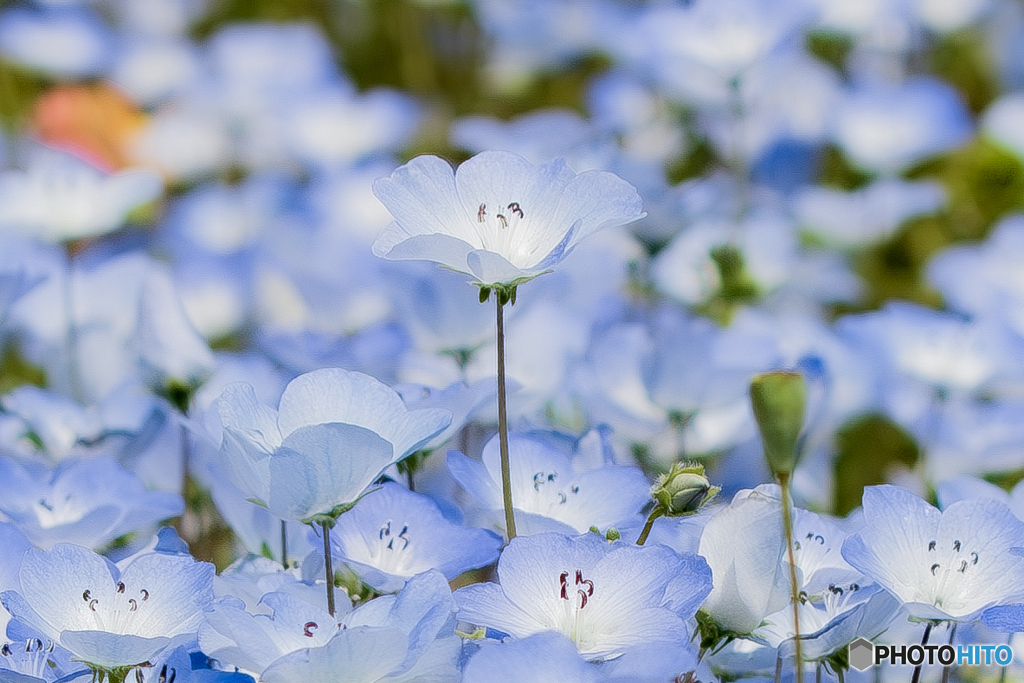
pixel 778 399
pixel 683 491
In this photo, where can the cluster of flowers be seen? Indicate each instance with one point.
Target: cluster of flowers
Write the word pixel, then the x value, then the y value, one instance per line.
pixel 211 311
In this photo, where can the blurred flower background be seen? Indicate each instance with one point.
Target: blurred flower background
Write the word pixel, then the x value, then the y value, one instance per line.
pixel 186 201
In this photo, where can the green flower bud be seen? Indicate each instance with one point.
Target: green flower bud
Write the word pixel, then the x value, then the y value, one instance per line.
pixel 683 491
pixel 778 399
pixel 612 534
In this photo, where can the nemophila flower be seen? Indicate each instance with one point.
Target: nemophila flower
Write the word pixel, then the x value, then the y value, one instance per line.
pixel 13 546
pixel 60 42
pixel 60 198
pixel 460 399
pixel 108 616
pixel 333 435
pixel 885 128
pixel 830 622
pixel 32 660
pixel 607 597
pixel 868 214
pixel 397 638
pixel 549 492
pixel 999 122
pixel 251 578
pixel 395 534
pixel 948 565
pixel 251 642
pixel 497 218
pixel 89 502
pixel 743 544
pixel 983 279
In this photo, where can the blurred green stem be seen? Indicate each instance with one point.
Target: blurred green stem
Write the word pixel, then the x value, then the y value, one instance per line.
pixel 787 526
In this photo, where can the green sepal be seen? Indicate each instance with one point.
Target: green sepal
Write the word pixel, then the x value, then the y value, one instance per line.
pixel 329 519
pixel 712 636
pixel 505 291
pixel 412 462
pixel 116 675
pixel 257 501
pixel 682 491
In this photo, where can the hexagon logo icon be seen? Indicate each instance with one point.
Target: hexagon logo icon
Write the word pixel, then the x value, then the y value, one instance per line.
pixel 861 654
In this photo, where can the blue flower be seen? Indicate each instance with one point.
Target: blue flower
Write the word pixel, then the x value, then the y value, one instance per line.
pixel 395 534
pixel 608 598
pixel 949 565
pixel 335 433
pixel 498 218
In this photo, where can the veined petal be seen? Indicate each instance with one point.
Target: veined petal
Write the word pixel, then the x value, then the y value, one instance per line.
pixel 356 655
pixel 110 650
pixel 324 465
pixel 340 396
pixel 484 604
pixel 489 268
pixel 421 195
pixel 394 244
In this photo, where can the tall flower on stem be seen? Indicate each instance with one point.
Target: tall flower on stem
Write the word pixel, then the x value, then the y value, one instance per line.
pixel 502 221
pixel 333 435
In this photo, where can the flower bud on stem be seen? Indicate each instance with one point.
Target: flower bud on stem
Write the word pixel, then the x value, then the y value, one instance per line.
pixel 778 399
pixel 682 491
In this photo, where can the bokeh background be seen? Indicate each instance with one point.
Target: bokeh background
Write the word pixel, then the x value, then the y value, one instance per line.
pixel 799 160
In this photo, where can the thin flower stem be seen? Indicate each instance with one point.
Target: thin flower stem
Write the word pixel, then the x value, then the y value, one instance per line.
pixel 328 568
pixel 787 525
pixel 1002 674
pixel 946 668
pixel 506 473
pixel 778 668
pixel 647 528
pixel 924 641
pixel 284 544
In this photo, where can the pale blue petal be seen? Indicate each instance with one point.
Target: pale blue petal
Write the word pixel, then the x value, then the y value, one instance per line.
pixel 336 395
pixel 324 465
pixel 485 604
pixel 1005 618
pixel 356 655
pixel 110 650
pixel 491 268
pixel 449 251
pixel 475 478
pixel 421 195
pixel 546 657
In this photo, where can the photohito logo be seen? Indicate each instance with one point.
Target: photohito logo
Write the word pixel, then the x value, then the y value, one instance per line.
pixel 864 654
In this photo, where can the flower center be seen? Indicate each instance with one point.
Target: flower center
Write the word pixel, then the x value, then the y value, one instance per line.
pixel 498 229
pixel 115 615
pixel 51 513
pixel 30 658
pixel 510 215
pixel 391 553
pixel 955 564
pixel 584 588
pixel 548 496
